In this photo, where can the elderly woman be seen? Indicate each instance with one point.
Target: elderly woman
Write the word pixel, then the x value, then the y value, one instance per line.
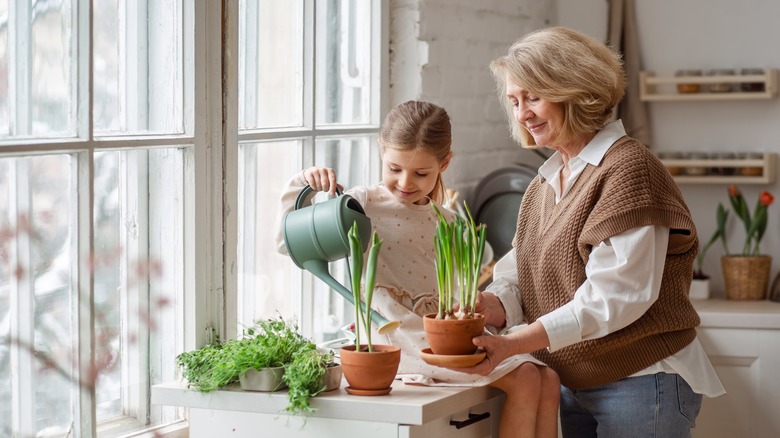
pixel 603 254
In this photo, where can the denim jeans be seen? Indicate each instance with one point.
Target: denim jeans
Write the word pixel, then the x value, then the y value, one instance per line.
pixel 657 405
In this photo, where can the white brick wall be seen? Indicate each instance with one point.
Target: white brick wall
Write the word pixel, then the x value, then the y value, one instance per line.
pixel 440 51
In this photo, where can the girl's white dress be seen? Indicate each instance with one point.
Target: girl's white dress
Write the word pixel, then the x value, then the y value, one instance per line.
pixel 406 287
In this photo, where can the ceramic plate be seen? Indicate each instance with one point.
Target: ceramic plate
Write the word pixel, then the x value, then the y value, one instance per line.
pixel 454 361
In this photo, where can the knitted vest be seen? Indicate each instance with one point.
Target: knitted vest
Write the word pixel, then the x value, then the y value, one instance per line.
pixel 629 189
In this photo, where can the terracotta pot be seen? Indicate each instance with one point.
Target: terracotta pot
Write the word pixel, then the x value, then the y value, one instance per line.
pixel 370 373
pixel 453 336
pixel 746 277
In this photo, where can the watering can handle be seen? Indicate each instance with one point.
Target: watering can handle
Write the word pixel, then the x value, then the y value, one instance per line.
pixel 305 192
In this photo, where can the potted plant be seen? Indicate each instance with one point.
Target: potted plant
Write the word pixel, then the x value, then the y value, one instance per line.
pixel 459 246
pixel 700 285
pixel 746 274
pixel 369 368
pixel 269 356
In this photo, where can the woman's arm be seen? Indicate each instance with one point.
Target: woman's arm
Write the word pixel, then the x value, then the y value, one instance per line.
pixel 623 280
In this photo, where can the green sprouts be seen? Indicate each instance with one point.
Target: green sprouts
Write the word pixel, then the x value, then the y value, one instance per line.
pixel 458 246
pixel 363 311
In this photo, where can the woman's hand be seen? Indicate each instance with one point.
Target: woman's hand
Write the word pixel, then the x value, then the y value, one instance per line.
pixel 321 179
pixel 490 306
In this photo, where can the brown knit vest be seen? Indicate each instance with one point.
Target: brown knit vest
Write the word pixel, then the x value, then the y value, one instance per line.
pixel 629 189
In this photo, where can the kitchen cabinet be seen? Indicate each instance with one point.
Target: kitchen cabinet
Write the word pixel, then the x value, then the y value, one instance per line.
pixel 407 412
pixel 654 88
pixel 742 340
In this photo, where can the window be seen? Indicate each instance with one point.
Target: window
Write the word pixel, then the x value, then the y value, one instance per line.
pixel 96 147
pixel 309 76
pixel 143 149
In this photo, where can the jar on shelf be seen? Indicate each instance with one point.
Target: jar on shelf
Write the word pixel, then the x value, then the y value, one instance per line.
pixel 696 169
pixel 673 169
pixel 751 170
pixel 751 87
pixel 688 87
pixel 720 87
pixel 719 169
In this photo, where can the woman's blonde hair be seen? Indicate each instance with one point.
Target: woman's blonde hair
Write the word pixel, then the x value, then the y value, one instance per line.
pixel 561 65
pixel 419 125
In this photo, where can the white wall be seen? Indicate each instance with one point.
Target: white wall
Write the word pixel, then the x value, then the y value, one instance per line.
pixel 441 50
pixel 707 34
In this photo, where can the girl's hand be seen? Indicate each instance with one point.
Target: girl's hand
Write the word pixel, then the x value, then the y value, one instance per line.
pixel 321 179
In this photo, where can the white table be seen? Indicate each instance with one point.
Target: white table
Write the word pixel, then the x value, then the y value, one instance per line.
pixel 408 412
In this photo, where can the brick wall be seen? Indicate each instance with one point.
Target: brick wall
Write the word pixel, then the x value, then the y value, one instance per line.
pixel 440 51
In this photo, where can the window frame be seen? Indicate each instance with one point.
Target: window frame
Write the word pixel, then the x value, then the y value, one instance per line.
pixel 308 133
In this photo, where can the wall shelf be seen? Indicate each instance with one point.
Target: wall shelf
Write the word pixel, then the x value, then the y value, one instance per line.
pixel 654 88
pixel 741 171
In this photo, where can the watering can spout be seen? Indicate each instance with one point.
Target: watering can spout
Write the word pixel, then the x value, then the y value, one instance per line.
pixel 320 269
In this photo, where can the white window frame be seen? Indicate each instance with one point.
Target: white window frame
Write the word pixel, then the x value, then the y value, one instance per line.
pixel 308 133
pixel 200 269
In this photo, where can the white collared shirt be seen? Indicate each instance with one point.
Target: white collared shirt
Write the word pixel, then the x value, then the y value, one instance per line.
pixel 633 259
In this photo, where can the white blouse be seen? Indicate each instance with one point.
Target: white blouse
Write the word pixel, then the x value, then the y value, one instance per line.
pixel 630 260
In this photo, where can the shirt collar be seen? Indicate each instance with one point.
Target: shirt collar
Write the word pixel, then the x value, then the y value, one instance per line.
pixel 593 152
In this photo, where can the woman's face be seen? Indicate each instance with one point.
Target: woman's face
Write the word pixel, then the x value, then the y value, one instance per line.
pixel 541 118
pixel 410 175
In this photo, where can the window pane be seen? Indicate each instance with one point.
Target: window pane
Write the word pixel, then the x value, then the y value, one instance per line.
pixel 270 84
pixel 138 66
pixel 138 249
pixel 37 291
pixel 350 158
pixel 344 62
pixel 37 95
pixel 4 86
pixel 268 281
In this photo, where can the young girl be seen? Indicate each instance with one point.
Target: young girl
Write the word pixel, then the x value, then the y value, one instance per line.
pixel 415 142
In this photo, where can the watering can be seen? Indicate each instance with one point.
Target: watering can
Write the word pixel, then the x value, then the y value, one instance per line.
pixel 318 234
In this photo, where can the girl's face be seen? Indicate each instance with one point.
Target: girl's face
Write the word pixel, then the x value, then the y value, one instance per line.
pixel 541 118
pixel 411 175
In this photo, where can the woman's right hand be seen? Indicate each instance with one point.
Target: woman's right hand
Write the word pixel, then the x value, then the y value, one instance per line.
pixel 321 179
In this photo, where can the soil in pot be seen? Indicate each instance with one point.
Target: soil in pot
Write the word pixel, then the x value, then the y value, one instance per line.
pixel 370 373
pixel 453 336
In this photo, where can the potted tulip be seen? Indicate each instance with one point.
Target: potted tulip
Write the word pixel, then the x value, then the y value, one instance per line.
pixel 459 246
pixel 369 368
pixel 700 285
pixel 746 274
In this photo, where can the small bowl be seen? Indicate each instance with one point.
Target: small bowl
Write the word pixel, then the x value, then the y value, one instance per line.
pixel 264 379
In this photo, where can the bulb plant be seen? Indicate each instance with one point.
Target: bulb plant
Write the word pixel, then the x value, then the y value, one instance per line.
pixel 458 248
pixel 356 264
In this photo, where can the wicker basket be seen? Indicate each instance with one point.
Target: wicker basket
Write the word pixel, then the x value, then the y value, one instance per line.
pixel 746 277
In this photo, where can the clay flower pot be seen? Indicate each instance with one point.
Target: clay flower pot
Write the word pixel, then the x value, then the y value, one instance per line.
pixel 370 373
pixel 453 336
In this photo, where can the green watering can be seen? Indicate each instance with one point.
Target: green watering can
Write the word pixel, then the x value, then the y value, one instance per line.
pixel 318 234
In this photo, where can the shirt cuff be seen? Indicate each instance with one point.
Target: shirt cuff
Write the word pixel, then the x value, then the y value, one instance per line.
pixel 562 328
pixel 508 295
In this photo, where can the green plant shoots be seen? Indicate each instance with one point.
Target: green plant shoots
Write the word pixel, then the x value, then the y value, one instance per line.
pixel 458 247
pixel 363 310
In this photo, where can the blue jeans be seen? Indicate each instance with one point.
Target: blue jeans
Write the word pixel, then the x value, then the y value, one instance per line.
pixel 657 405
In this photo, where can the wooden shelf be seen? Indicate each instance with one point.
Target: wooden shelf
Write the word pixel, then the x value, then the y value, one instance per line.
pixel 663 88
pixel 766 164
